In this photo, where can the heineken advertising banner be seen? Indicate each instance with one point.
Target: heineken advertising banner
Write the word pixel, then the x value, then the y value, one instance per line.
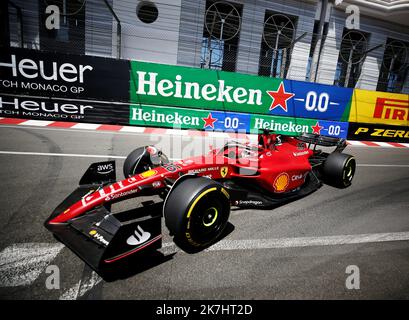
pixel 157 84
pixel 296 126
pixel 188 118
pixel 185 118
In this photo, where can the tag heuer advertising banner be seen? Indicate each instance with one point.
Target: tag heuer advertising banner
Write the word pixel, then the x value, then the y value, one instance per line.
pixel 185 118
pixel 46 74
pixel 156 84
pixel 380 107
pixel 63 109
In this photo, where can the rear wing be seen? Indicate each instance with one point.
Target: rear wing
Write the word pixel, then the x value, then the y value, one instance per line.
pixel 319 140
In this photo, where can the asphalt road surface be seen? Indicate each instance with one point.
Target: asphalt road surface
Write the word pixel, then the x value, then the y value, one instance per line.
pixel 301 250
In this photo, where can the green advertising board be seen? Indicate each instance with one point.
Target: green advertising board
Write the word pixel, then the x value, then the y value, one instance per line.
pixel 166 85
pixel 281 125
pixel 158 84
pixel 184 118
pixel 166 117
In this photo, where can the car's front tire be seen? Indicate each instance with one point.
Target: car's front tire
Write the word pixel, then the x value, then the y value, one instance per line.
pixel 196 212
pixel 143 159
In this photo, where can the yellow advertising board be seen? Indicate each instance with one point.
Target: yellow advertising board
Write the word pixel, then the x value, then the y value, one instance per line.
pixel 379 107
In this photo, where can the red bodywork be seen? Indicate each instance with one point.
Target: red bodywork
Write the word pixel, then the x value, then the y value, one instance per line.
pixel 277 168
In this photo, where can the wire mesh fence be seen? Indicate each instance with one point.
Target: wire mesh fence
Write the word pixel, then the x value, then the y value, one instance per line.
pixel 278 44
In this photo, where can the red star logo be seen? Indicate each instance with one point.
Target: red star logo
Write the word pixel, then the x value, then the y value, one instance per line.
pixel 317 128
pixel 209 121
pixel 280 97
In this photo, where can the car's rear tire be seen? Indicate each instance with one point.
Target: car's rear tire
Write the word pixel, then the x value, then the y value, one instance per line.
pixel 196 212
pixel 338 170
pixel 143 159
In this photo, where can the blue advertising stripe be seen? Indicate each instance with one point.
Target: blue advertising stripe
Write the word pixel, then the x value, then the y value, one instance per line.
pixel 334 128
pixel 241 122
pixel 230 121
pixel 310 100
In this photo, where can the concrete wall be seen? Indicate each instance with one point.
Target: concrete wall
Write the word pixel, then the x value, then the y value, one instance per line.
pixel 154 42
pixel 191 32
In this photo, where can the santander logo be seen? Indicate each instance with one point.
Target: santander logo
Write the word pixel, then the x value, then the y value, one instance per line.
pixel 140 236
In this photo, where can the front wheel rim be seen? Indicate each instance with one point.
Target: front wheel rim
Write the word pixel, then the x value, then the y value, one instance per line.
pixel 207 219
pixel 210 216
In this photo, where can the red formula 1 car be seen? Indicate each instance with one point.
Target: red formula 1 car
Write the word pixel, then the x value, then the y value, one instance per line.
pixel 197 194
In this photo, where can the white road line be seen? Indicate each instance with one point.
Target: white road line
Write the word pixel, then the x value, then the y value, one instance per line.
pixel 76 155
pixel 21 264
pixel 62 155
pixel 216 134
pixel 384 165
pixel 81 287
pixel 168 248
pixel 362 145
pixel 177 132
pixel 130 131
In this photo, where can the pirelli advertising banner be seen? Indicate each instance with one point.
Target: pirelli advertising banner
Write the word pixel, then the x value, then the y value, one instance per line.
pixel 379 116
pixel 376 107
pixel 378 132
pixel 156 84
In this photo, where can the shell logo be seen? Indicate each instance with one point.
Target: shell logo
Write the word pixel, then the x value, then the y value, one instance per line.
pixel 93 232
pixel 148 173
pixel 281 182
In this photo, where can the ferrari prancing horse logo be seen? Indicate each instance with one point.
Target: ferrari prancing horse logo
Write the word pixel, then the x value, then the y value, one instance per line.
pixel 224 171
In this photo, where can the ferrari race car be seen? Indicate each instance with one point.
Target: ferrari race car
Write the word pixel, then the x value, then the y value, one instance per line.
pixel 195 194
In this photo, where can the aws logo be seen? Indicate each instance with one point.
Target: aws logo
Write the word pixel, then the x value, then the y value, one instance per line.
pixel 105 168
